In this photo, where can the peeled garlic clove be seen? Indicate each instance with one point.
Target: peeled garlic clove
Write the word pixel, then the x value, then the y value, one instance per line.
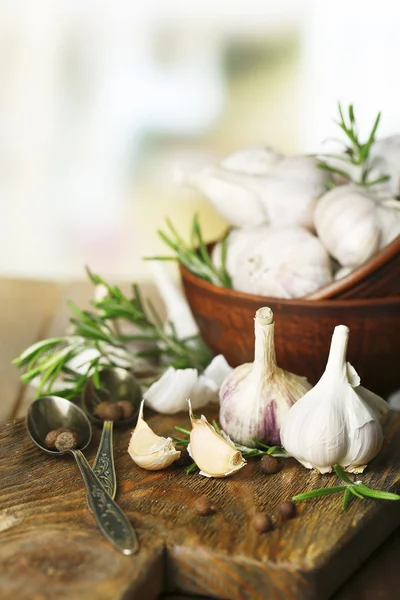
pixel 214 455
pixel 148 450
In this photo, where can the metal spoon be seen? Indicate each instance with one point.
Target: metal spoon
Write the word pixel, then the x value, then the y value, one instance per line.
pixel 116 384
pixel 51 412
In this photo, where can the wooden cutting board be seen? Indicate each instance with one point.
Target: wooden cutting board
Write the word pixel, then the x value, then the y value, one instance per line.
pixel 50 546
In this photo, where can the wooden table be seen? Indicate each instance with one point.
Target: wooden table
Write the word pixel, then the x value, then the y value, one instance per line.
pixel 32 310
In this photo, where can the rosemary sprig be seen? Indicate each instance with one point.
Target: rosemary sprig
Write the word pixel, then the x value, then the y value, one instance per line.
pixel 99 330
pixel 350 488
pixel 195 256
pixel 356 153
pixel 247 452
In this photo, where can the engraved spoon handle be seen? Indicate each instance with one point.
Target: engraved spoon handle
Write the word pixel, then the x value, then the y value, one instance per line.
pixel 112 522
pixel 103 466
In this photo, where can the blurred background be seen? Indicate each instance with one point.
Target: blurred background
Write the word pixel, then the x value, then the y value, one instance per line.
pixel 103 103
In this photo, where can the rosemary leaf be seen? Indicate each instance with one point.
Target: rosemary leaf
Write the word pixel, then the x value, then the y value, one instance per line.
pixel 346 499
pixel 320 492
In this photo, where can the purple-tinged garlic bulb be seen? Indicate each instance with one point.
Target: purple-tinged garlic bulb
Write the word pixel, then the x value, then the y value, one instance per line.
pixel 256 396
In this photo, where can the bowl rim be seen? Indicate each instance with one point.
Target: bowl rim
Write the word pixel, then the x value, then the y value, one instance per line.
pixel 300 302
pixel 359 274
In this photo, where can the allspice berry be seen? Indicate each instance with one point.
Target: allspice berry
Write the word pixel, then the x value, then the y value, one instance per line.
pixel 261 522
pixel 203 506
pixel 50 439
pixel 269 464
pixel 128 409
pixel 67 440
pixel 108 411
pixel 184 460
pixel 287 509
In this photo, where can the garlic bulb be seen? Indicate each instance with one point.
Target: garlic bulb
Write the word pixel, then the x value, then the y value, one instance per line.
pixel 276 262
pixel 353 224
pixel 256 396
pixel 254 160
pixel 148 450
pixel 216 456
pixel 292 190
pixel 257 185
pixel 232 194
pixel 337 422
pixel 385 160
pixel 169 394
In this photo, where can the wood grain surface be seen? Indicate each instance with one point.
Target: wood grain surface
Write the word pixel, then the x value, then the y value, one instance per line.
pixel 54 538
pixel 51 548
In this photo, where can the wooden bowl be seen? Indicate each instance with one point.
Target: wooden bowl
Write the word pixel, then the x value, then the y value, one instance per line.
pixel 376 278
pixel 303 331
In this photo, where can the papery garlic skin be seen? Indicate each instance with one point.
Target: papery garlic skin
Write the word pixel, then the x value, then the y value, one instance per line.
pixel 353 223
pixel 169 394
pixel 335 423
pixel 148 450
pixel 287 262
pixel 256 397
pixel 216 456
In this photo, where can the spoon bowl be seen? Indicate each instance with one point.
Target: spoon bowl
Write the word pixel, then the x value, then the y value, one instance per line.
pixel 52 412
pixel 115 385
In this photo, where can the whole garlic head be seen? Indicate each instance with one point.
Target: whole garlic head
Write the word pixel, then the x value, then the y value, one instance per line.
pixel 257 185
pixel 148 450
pixel 337 421
pixel 256 396
pixel 276 262
pixel 353 224
pixel 385 160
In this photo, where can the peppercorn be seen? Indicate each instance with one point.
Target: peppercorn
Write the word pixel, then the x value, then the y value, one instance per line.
pixel 108 411
pixel 50 439
pixel 184 460
pixel 269 464
pixel 261 522
pixel 203 506
pixel 67 440
pixel 127 409
pixel 287 509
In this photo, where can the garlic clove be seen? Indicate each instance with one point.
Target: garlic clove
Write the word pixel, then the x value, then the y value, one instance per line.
pixel 213 454
pixel 168 395
pixel 148 450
